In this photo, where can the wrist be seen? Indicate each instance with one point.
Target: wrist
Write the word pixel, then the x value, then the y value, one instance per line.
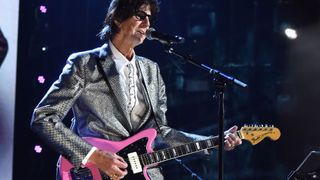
pixel 89 156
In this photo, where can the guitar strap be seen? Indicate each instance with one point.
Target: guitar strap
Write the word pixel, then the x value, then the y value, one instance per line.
pixel 116 100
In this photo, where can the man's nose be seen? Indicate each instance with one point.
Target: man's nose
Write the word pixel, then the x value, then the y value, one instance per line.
pixel 146 22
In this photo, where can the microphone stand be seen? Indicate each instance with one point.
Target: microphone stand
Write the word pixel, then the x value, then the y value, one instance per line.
pixel 193 174
pixel 221 81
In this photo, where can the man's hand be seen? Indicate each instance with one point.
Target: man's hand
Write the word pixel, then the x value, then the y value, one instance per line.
pixel 231 138
pixel 110 163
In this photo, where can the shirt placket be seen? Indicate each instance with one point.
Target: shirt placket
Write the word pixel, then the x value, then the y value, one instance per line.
pixel 131 86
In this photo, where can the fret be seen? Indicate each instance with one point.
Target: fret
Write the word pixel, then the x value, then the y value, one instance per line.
pixel 183 150
pixel 151 158
pixel 193 147
pixel 197 146
pixel 142 160
pixel 177 150
pixel 163 155
pixel 147 159
pixel 166 153
pixel 202 146
pixel 188 148
pixel 157 156
pixel 169 153
pixel 209 144
pixel 174 152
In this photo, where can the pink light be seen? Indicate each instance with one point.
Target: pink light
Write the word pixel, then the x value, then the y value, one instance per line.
pixel 38 149
pixel 41 79
pixel 43 9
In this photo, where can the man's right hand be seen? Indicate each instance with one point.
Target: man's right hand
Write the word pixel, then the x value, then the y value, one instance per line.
pixel 109 163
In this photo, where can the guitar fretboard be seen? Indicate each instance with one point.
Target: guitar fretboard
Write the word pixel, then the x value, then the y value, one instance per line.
pixel 178 151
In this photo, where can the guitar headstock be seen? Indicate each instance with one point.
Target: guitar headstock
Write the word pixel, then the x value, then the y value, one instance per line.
pixel 255 134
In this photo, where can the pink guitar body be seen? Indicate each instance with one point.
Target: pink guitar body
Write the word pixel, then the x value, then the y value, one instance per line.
pixel 143 138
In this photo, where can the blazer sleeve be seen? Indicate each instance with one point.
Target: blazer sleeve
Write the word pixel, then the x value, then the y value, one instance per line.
pixel 171 136
pixel 47 116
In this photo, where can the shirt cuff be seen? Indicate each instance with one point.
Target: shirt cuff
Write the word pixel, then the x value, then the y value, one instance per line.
pixel 85 160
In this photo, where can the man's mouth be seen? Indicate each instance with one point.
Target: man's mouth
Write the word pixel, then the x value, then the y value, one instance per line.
pixel 141 32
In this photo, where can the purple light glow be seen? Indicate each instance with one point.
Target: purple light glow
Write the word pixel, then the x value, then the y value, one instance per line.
pixel 41 79
pixel 43 9
pixel 37 149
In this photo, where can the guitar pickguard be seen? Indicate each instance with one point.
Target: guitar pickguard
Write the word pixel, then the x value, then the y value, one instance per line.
pixel 139 147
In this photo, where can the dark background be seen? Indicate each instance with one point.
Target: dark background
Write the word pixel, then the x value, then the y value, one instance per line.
pixel 243 38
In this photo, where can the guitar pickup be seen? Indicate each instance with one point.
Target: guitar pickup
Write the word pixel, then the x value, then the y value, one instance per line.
pixel 134 162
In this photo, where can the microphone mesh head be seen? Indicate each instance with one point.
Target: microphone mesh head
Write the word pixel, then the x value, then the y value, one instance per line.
pixel 149 33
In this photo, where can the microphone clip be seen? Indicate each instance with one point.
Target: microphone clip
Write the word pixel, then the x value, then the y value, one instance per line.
pixel 152 34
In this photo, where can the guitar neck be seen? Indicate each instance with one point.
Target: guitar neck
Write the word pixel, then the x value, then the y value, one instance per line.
pixel 253 134
pixel 178 151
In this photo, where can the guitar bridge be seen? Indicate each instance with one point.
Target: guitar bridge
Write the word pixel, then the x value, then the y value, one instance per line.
pixel 81 174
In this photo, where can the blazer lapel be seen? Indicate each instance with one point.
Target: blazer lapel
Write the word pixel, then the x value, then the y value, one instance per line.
pixel 146 84
pixel 109 68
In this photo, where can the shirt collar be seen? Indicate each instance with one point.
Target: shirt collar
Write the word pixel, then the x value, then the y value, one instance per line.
pixel 120 59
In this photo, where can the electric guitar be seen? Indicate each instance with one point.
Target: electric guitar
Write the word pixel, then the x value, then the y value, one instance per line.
pixel 138 154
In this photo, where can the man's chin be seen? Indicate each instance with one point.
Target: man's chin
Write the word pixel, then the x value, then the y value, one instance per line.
pixel 139 41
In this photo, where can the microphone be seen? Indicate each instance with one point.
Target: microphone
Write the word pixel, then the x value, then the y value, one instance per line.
pixel 152 34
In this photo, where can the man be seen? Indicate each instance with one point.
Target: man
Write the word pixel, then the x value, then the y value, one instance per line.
pixel 129 99
pixel 3 47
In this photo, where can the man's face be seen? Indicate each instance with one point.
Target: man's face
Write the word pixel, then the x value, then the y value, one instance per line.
pixel 134 28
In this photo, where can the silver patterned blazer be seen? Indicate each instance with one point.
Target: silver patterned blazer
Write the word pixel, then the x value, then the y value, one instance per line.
pixel 82 88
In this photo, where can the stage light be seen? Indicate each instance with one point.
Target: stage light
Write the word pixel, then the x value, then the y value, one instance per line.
pixel 291 33
pixel 43 9
pixel 41 79
pixel 38 149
